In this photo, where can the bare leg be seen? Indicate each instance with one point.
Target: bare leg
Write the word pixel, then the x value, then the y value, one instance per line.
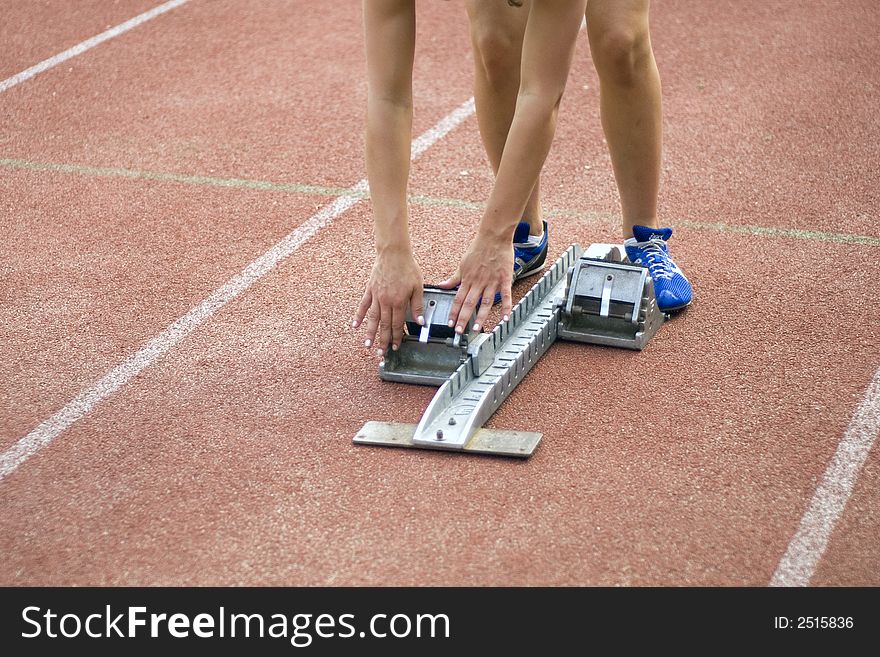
pixel 497 35
pixel 630 103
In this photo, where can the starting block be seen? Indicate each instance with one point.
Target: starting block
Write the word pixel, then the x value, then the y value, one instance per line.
pixel 609 303
pixel 429 354
pixel 594 296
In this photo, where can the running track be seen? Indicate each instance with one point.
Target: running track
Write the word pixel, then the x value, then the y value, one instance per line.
pixel 185 237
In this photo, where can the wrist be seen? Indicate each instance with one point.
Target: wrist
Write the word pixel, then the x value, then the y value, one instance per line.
pixel 394 248
pixel 391 231
pixel 496 231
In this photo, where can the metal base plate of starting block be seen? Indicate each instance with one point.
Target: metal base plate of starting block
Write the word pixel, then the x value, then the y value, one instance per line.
pixel 496 442
pixel 586 296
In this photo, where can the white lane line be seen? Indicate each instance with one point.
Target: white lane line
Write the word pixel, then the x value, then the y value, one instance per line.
pixel 88 44
pixel 46 432
pixel 443 127
pixel 798 564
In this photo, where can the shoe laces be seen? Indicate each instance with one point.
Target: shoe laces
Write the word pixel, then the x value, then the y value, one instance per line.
pixel 655 257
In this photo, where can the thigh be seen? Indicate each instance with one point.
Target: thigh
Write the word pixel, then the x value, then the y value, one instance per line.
pixel 617 15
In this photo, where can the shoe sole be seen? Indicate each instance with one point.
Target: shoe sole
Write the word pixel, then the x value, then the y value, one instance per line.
pixel 675 309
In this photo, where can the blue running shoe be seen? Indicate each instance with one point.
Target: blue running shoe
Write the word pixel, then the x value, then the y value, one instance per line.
pixel 648 248
pixel 528 258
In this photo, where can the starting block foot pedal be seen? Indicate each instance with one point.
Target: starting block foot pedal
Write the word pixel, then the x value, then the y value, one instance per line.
pixel 497 442
pixel 609 302
pixel 429 354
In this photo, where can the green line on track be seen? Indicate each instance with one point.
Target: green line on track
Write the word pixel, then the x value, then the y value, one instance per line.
pixel 321 190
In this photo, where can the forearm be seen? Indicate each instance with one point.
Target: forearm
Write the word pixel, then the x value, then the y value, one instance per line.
pixel 389 34
pixel 548 48
pixel 389 134
pixel 528 143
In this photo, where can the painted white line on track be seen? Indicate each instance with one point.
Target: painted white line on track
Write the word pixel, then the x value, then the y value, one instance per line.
pixel 798 564
pixel 80 48
pixel 47 431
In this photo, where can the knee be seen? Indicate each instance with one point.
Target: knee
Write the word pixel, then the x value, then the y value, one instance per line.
pixel 497 56
pixel 622 56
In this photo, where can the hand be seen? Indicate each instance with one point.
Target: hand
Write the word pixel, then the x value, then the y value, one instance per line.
pixel 486 268
pixel 394 282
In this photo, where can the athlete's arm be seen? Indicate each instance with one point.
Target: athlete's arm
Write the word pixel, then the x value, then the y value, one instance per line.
pixel 395 280
pixel 487 265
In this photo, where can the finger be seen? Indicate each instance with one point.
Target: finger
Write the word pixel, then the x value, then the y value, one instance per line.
pixel 360 313
pixel 417 306
pixel 485 307
pixel 506 303
pixel 371 326
pixel 467 309
pixel 397 320
pixel 450 282
pixel 454 309
pixel 384 332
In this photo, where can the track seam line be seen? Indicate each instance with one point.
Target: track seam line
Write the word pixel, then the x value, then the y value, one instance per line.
pixel 187 179
pixel 88 44
pixel 80 406
pixel 324 190
pixel 805 550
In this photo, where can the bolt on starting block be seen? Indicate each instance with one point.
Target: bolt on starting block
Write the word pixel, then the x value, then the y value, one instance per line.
pixel 595 296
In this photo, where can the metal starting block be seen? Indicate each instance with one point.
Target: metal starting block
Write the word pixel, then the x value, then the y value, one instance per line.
pixel 429 354
pixel 609 303
pixel 593 296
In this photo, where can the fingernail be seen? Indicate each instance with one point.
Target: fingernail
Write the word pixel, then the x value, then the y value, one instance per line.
pixel 354 323
pixel 421 320
pixel 367 343
pixel 395 347
pixel 458 329
pixel 506 317
pixel 450 323
pixel 380 351
pixel 477 327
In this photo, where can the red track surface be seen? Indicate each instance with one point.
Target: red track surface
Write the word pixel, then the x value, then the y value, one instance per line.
pixel 229 459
